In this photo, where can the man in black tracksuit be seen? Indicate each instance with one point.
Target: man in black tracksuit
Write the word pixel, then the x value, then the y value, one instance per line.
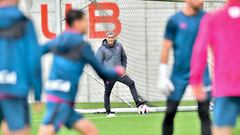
pixel 112 54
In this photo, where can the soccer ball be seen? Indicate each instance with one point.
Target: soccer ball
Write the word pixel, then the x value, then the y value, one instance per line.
pixel 143 109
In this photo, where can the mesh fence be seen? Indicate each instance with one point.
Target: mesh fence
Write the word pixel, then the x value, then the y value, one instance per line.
pixel 143 25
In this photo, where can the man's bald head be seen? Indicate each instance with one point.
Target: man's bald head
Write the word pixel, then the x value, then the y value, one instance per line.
pixel 195 4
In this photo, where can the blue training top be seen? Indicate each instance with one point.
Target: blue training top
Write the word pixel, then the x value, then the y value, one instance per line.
pixel 20 67
pixel 182 31
pixel 71 53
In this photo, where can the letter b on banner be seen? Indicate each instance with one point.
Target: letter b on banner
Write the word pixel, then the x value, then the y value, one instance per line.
pixel 103 19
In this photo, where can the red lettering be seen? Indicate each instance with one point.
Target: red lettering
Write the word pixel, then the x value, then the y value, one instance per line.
pixel 93 19
pixel 44 17
pixel 67 8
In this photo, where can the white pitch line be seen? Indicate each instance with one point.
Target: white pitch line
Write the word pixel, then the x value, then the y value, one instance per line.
pixel 127 116
pixel 122 116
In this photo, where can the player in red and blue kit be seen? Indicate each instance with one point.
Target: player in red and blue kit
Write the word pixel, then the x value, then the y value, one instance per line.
pixel 20 68
pixel 71 53
pixel 220 31
pixel 180 35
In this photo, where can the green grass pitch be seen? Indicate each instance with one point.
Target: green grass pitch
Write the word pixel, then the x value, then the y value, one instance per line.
pixel 186 123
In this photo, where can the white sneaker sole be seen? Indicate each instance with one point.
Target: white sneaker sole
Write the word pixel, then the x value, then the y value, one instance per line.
pixel 111 115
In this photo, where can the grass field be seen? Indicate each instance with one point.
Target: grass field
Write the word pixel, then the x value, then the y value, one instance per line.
pixel 187 123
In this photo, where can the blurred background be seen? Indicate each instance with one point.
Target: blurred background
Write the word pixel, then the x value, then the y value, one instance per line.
pixel 139 25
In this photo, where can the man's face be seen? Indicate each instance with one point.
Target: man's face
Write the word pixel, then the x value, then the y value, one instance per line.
pixel 81 25
pixel 195 4
pixel 110 39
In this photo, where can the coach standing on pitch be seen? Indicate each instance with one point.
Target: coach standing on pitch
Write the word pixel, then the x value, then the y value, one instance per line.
pixel 112 54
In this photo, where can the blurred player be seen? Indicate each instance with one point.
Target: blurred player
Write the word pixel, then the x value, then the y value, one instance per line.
pixel 180 35
pixel 20 67
pixel 112 54
pixel 71 53
pixel 220 31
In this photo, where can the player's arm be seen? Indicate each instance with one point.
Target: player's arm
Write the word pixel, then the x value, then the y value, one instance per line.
pixel 100 55
pixel 123 57
pixel 46 48
pixel 56 46
pixel 169 37
pixel 199 59
pixel 166 48
pixel 34 60
pixel 102 71
pixel 164 83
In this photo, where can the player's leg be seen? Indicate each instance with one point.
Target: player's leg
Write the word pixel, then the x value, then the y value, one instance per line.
pixel 222 131
pixel 46 130
pixel 55 116
pixel 16 115
pixel 172 104
pixel 24 131
pixel 5 130
pixel 84 126
pixel 3 123
pixel 226 111
pixel 108 89
pixel 168 125
pixel 131 84
pixel 203 112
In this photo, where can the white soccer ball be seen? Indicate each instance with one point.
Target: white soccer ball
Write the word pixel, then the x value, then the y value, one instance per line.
pixel 143 109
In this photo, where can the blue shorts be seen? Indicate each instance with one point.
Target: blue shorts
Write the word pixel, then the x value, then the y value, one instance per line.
pixel 15 111
pixel 180 88
pixel 226 111
pixel 59 114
